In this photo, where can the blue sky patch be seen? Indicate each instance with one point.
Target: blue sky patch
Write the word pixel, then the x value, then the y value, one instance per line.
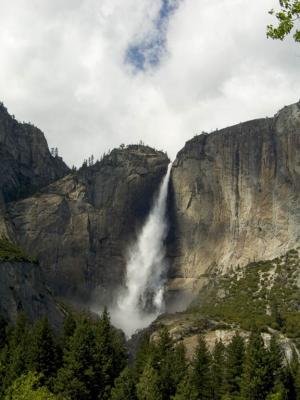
pixel 148 51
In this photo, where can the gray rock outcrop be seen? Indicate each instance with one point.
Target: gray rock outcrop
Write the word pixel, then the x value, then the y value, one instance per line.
pixel 23 289
pixel 26 163
pixel 235 197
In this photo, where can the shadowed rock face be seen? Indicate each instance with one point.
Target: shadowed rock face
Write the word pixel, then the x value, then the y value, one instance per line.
pixel 26 163
pixel 23 289
pixel 235 197
pixel 80 227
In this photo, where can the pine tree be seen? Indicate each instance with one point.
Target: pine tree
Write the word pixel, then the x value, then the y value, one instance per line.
pixel 44 352
pixel 124 387
pixel 110 355
pixel 185 389
pixel 235 354
pixel 276 315
pixel 217 370
pixel 201 376
pixel 77 378
pixel 276 362
pixel 162 362
pixel 292 377
pixel 169 361
pixel 144 353
pixel 16 354
pixel 257 377
pixel 178 365
pixel 69 327
pixel 148 386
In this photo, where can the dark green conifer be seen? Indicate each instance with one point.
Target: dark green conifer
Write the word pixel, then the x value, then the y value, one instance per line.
pixel 178 364
pixel 217 370
pixel 163 363
pixel 235 354
pixel 292 377
pixel 144 353
pixel 16 353
pixel 257 381
pixel 201 374
pixel 69 327
pixel 276 362
pixel 148 387
pixel 124 387
pixel 185 389
pixel 110 354
pixel 76 379
pixel 44 352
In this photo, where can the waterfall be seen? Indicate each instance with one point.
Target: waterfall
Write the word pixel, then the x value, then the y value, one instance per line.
pixel 143 298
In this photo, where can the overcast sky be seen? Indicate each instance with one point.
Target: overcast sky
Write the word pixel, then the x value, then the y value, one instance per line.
pixel 93 74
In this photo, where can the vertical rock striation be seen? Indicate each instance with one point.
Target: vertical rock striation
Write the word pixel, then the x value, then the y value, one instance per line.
pixel 23 289
pixel 235 197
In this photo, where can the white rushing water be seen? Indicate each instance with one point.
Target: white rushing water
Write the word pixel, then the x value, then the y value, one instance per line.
pixel 143 298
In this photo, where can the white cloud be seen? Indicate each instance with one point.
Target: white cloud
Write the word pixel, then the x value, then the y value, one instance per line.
pixel 62 67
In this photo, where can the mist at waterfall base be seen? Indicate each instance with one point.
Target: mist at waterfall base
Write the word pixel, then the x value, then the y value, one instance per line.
pixel 142 299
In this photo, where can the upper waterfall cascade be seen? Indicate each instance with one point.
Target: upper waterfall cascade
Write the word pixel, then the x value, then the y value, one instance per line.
pixel 143 297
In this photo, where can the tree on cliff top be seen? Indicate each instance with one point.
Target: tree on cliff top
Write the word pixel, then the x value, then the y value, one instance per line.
pixel 287 17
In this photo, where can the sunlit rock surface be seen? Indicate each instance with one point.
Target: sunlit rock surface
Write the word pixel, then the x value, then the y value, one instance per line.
pixel 235 197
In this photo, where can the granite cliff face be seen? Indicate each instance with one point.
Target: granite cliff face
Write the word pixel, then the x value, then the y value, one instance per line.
pixel 80 226
pixel 235 197
pixel 23 289
pixel 26 163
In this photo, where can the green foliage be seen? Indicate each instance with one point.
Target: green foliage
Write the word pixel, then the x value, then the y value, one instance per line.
pixel 11 252
pixel 257 379
pixel 69 327
pixel 235 354
pixel 201 377
pixel 27 387
pixel 145 351
pixel 94 366
pixel 94 356
pixel 264 294
pixel 167 359
pixel 218 371
pixel 15 355
pixel 44 352
pixel 185 389
pixel 110 356
pixel 148 387
pixel 287 17
pixel 81 363
pixel 124 388
pixel 77 378
pixel 292 377
pixel 275 358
